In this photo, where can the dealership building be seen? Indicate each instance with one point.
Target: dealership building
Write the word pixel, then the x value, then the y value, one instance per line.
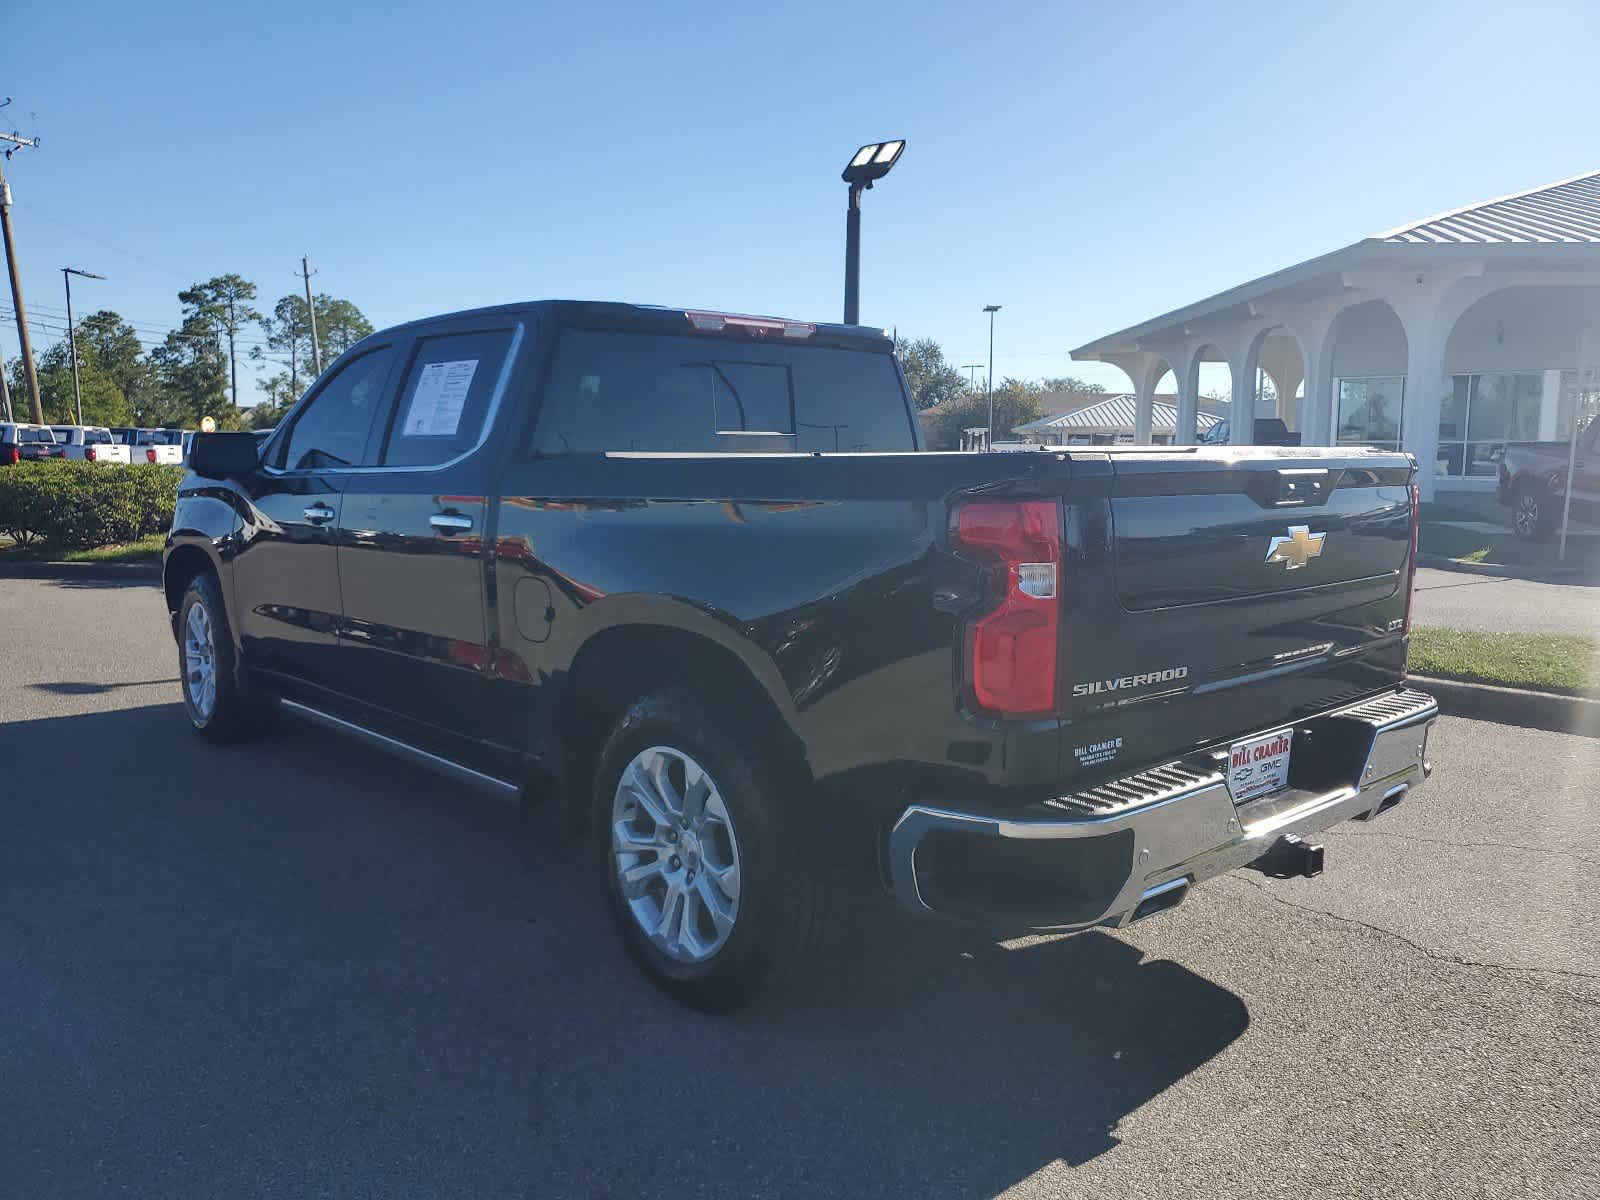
pixel 1447 337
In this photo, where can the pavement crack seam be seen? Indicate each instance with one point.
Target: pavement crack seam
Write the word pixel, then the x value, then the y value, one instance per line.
pixel 1426 952
pixel 1412 837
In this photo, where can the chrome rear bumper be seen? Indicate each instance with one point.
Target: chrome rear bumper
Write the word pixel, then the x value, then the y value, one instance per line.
pixel 1133 846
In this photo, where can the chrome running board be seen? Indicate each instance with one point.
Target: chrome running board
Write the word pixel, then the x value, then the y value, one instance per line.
pixel 448 768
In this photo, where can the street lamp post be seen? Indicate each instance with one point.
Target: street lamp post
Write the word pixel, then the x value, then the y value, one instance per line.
pixel 72 334
pixel 870 162
pixel 991 309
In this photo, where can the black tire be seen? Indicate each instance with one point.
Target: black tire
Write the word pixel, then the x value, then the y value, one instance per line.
pixel 232 714
pixel 1533 514
pixel 777 910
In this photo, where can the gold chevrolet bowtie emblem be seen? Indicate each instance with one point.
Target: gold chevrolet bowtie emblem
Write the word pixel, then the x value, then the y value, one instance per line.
pixel 1299 548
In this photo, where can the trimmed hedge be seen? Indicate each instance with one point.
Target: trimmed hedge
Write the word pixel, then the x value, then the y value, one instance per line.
pixel 80 505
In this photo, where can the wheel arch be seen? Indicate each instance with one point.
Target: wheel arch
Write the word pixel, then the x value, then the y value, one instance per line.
pixel 621 663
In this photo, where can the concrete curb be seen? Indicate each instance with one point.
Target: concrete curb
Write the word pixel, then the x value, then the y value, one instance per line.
pixel 1513 706
pixel 130 573
pixel 1578 576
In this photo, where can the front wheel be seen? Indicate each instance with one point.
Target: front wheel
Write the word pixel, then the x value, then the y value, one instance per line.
pixel 1533 516
pixel 218 710
pixel 691 818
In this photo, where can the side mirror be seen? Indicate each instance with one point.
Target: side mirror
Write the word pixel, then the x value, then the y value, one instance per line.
pixel 219 455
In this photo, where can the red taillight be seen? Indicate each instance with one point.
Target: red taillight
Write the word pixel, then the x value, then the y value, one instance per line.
pixel 1411 569
pixel 12 455
pixel 150 454
pixel 1012 649
pixel 89 454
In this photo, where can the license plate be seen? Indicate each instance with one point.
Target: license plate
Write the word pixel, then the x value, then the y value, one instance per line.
pixel 1259 766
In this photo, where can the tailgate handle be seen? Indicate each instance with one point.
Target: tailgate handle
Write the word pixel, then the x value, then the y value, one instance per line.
pixel 1302 485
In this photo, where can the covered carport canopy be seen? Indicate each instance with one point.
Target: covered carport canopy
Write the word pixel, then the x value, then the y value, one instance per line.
pixel 1507 285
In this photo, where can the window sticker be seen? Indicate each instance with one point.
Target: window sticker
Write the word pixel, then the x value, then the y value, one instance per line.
pixel 440 396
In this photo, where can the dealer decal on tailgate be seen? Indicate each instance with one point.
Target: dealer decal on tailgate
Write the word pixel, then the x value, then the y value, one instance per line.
pixel 1260 765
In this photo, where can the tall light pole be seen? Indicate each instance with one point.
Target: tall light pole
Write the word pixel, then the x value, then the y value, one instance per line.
pixel 870 162
pixel 972 370
pixel 991 309
pixel 72 334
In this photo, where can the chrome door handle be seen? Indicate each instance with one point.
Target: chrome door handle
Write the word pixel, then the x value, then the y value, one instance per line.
pixel 450 522
pixel 319 514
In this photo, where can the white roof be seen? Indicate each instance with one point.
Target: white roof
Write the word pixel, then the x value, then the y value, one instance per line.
pixel 1564 213
pixel 1568 211
pixel 1115 413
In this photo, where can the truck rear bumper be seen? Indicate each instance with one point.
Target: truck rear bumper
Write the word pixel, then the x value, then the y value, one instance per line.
pixel 1127 849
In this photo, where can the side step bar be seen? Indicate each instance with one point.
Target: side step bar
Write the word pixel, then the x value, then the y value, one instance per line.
pixel 448 768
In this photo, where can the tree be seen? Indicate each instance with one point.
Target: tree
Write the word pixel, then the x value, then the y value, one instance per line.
pixel 1071 386
pixel 191 370
pixel 1016 401
pixel 223 301
pixel 933 380
pixel 103 401
pixel 340 325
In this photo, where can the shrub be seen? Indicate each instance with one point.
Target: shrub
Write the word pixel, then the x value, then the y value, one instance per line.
pixel 81 505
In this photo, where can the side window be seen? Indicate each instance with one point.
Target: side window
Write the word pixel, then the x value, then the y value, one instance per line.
pixel 332 430
pixel 445 400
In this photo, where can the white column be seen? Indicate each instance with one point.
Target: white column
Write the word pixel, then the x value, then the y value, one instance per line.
pixel 1145 369
pixel 1549 406
pixel 1186 370
pixel 1426 387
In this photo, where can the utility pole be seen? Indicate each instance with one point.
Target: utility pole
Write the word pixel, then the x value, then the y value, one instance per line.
pixel 72 335
pixel 14 142
pixel 233 357
pixel 5 390
pixel 311 312
pixel 972 370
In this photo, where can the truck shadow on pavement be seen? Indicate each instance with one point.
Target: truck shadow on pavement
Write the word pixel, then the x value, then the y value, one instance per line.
pixel 300 967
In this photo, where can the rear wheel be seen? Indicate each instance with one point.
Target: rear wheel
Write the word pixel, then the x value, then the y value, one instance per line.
pixel 691 818
pixel 218 709
pixel 1533 516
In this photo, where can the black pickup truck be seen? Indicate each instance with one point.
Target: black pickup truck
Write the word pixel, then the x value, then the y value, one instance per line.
pixel 692 574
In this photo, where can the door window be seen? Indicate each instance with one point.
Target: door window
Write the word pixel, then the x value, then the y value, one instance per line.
pixel 331 431
pixel 445 401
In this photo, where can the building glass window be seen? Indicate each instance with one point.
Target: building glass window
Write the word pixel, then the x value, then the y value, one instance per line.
pixel 1370 411
pixel 1483 413
pixel 1580 394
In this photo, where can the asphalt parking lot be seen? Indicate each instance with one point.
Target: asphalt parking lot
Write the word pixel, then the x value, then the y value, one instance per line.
pixel 1457 600
pixel 300 969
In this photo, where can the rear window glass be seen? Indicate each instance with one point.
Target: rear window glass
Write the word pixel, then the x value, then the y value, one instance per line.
pixel 96 437
pixel 63 433
pixel 35 435
pixel 635 391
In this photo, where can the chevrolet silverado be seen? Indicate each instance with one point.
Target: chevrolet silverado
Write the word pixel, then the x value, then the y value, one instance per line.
pixel 693 575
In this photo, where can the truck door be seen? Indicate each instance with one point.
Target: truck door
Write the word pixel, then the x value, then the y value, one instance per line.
pixel 286 575
pixel 412 533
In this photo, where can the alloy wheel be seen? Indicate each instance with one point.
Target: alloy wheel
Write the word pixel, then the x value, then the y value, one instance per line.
pixel 677 858
pixel 1527 517
pixel 199 662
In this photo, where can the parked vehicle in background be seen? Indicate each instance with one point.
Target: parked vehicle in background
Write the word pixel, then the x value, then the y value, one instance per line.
pixel 1270 431
pixel 1533 481
pixel 90 443
pixel 26 443
pixel 158 446
pixel 689 575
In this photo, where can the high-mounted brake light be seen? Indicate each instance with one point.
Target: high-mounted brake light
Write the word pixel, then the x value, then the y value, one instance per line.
pixel 1011 650
pixel 711 322
pixel 1411 570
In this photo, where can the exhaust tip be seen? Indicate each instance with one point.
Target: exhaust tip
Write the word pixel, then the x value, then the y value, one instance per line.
pixel 1160 898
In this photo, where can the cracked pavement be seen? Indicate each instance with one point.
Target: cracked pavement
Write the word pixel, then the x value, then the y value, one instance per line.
pixel 301 969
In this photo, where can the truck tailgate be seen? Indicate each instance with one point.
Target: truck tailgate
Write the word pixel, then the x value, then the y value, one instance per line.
pixel 1247 588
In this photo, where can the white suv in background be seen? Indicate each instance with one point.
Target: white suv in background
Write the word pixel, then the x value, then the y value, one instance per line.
pixel 90 443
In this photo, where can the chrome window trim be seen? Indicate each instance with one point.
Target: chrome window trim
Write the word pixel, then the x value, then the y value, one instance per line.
pixel 500 386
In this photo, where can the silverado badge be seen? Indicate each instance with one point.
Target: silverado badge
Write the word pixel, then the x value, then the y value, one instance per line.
pixel 1299 548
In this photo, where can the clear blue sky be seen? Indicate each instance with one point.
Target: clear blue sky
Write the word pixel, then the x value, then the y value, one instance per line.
pixel 1086 166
